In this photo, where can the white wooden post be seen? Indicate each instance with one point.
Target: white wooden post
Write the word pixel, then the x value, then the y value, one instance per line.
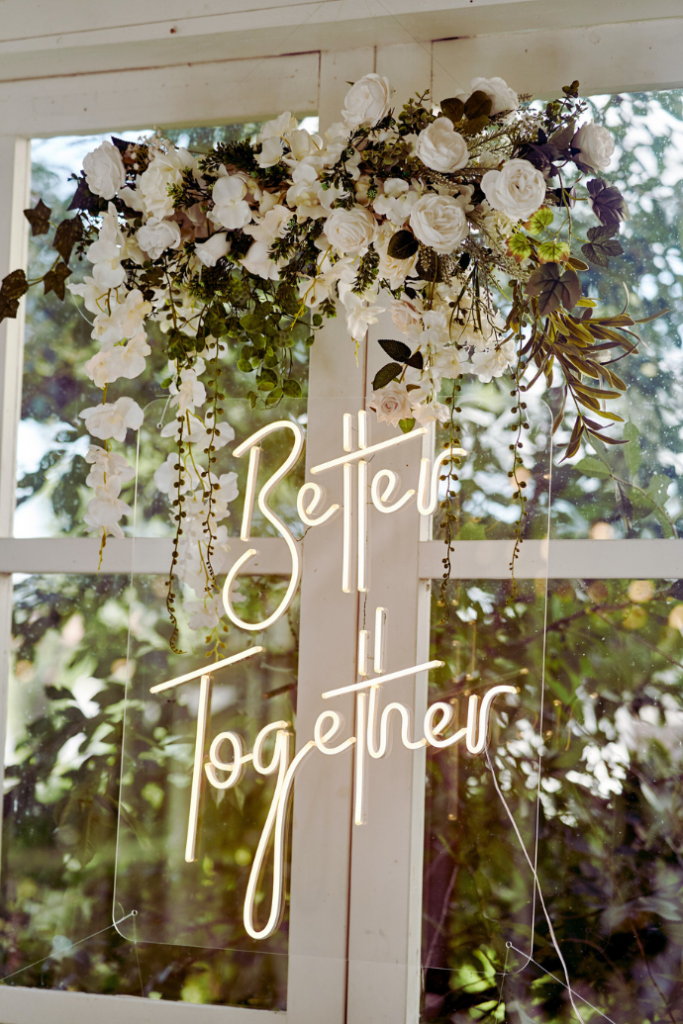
pixel 386 864
pixel 327 645
pixel 15 170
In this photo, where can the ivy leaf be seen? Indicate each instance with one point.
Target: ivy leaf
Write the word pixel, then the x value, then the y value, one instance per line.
pixel 55 280
pixel 39 218
pixel 542 219
pixel 553 252
pixel 478 105
pixel 395 349
pixel 609 206
pixel 67 234
pixel 386 375
pixel 84 199
pixel 406 425
pixel 519 246
pixel 453 108
pixel 601 246
pixel 554 288
pixel 14 286
pixel 402 245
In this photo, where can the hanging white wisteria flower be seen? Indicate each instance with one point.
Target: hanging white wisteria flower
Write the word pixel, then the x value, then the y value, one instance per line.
pixel 420 212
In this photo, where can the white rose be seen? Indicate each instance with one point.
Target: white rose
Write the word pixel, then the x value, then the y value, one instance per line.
pixel 439 222
pixel 164 170
pixel 502 96
pixel 231 209
pixel 367 102
pixel 595 145
pixel 404 315
pixel 213 249
pixel 392 404
pixel 104 170
pixel 350 231
pixel 258 262
pixel 113 420
pixel 517 191
pixel 156 236
pixel 441 148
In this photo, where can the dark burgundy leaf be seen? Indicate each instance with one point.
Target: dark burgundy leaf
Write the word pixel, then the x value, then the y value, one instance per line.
pixel 55 280
pixel 395 349
pixel 39 218
pixel 385 376
pixel 67 234
pixel 554 288
pixel 402 245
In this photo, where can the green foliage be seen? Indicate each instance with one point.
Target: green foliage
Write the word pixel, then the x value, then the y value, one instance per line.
pixel 610 811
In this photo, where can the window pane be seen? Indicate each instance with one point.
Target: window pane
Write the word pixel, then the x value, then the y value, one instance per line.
pixel 644 499
pixel 66 713
pixel 52 496
pixel 600 698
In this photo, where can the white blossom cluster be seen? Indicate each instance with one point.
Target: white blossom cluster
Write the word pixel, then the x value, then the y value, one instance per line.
pixel 452 329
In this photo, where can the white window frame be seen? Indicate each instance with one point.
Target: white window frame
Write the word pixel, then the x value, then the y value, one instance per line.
pixel 354 947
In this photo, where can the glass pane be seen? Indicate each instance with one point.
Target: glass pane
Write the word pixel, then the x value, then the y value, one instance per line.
pixel 482 503
pixel 201 903
pixel 583 772
pixel 52 495
pixel 644 497
pixel 73 655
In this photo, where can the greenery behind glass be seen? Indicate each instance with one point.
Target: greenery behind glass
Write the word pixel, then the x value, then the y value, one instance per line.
pixel 610 813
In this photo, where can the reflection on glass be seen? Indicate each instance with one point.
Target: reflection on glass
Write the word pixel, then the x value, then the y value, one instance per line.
pixel 643 498
pixel 63 768
pixel 600 710
pixel 201 903
pixel 482 502
pixel 51 493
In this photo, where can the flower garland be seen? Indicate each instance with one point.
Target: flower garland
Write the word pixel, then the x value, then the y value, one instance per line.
pixel 455 219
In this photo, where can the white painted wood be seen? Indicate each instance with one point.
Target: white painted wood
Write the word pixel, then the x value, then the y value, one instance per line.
pixel 386 866
pixel 566 559
pixel 604 58
pixel 321 824
pixel 149 555
pixel 224 92
pixel 41 39
pixel 14 197
pixel 30 1005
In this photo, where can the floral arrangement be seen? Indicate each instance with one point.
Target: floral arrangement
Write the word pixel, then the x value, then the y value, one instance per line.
pixel 455 218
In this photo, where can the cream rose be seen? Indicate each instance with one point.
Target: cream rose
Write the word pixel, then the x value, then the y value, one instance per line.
pixel 500 93
pixel 595 145
pixel 441 148
pixel 517 191
pixel 404 315
pixel 392 404
pixel 367 102
pixel 156 236
pixel 213 249
pixel 350 231
pixel 164 170
pixel 439 222
pixel 104 170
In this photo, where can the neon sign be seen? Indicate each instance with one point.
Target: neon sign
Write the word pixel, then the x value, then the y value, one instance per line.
pixel 311 495
pixel 373 722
